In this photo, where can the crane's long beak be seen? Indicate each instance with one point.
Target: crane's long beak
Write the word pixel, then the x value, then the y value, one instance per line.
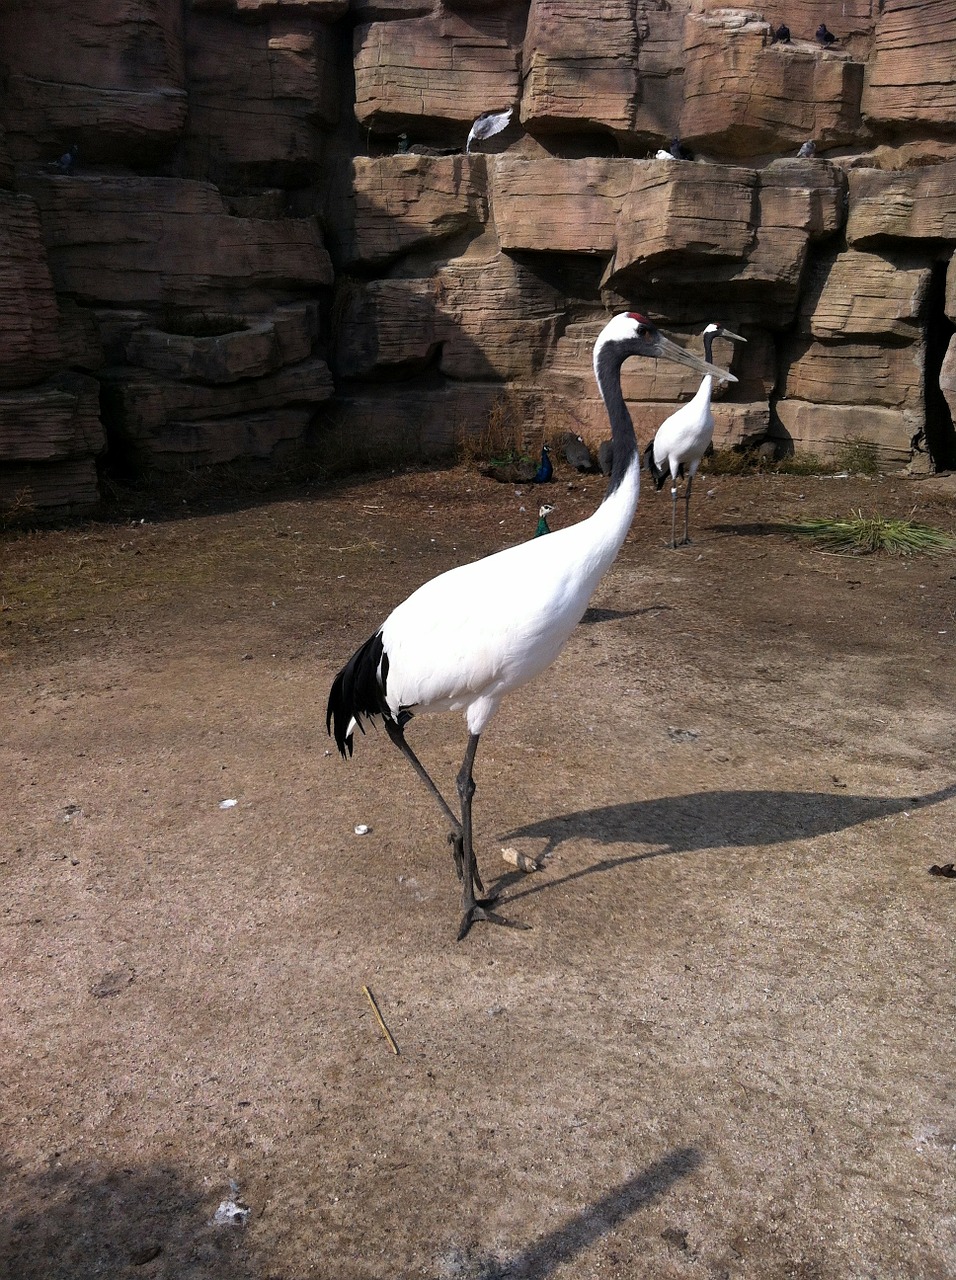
pixel 734 337
pixel 667 350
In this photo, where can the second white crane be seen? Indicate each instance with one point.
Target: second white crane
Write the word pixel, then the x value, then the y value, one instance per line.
pixel 683 438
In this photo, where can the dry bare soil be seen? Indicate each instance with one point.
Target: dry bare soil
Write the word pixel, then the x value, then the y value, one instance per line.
pixel 722 1043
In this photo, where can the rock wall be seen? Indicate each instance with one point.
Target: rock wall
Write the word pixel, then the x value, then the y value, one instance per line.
pixel 250 229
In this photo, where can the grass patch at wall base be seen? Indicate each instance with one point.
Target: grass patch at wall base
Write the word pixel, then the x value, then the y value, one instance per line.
pixel 863 535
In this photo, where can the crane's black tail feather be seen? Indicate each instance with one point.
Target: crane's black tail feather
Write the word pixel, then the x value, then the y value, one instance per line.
pixel 658 475
pixel 358 690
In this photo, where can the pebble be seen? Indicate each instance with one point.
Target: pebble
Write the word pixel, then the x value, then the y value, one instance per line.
pixel 520 860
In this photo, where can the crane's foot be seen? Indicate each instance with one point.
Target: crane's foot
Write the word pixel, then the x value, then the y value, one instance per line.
pixel 479 911
pixel 684 542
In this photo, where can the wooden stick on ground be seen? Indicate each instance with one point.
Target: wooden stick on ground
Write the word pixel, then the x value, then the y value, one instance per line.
pixel 385 1031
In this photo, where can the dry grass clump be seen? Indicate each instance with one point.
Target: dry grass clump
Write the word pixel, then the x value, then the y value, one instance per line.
pixel 860 535
pixel 856 456
pixel 747 462
pixel 503 437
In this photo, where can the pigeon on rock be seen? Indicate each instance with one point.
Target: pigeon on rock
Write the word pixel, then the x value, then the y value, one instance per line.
pixel 488 125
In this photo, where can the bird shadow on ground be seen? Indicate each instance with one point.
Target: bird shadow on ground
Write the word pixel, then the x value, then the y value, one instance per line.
pixel 613 615
pixel 709 820
pixel 757 529
pixel 76 1221
pixel 560 1246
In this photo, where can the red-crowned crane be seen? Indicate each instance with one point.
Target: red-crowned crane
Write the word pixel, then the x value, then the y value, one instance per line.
pixel 468 637
pixel 683 438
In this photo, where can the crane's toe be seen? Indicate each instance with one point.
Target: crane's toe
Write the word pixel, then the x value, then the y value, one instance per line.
pixel 479 911
pixel 457 852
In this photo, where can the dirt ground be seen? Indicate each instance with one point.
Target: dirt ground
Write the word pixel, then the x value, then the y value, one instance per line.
pixel 722 1045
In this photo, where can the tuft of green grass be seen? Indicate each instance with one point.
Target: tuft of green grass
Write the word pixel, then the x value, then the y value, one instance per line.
pixel 861 535
pixel 858 456
pixel 735 461
pixel 804 464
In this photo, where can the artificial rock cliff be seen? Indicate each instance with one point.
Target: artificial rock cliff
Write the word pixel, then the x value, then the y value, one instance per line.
pixel 265 236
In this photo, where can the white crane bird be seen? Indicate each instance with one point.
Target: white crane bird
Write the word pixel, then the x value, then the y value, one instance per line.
pixel 471 635
pixel 682 439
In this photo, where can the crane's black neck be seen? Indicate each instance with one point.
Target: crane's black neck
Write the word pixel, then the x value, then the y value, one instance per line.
pixel 709 346
pixel 607 369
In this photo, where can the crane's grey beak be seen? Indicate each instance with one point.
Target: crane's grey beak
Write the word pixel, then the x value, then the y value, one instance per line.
pixel 667 350
pixel 734 337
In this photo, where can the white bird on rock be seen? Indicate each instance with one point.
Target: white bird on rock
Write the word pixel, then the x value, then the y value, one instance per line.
pixel 488 125
pixel 683 438
pixel 465 639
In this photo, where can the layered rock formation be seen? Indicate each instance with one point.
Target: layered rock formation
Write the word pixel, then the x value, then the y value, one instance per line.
pixel 248 229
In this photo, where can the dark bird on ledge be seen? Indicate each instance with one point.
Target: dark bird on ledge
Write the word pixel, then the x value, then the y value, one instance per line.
pixel 808 150
pixel 67 161
pixel 825 37
pixel 781 35
pixel 676 151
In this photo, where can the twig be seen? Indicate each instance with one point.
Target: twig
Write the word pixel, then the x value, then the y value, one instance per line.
pixel 385 1031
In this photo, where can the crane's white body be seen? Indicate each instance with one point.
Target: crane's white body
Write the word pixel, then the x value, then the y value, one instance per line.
pixel 471 635
pixel 683 438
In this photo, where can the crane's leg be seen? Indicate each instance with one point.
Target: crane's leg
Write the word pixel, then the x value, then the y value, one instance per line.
pixel 473 908
pixel 673 513
pixel 397 735
pixel 686 539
